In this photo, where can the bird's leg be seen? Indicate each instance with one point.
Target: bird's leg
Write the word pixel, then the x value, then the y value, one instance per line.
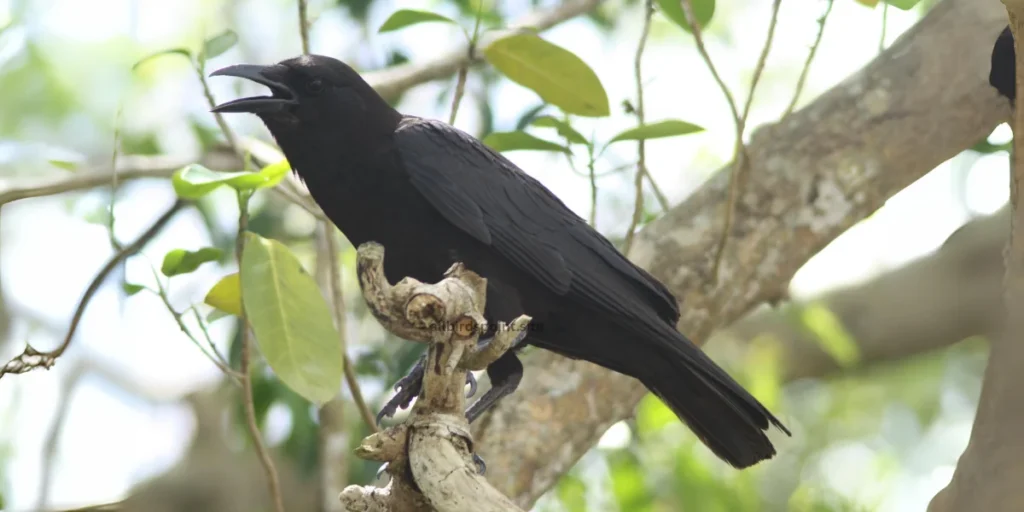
pixel 409 387
pixel 505 374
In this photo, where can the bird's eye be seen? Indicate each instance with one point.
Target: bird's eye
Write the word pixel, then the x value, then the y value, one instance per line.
pixel 315 86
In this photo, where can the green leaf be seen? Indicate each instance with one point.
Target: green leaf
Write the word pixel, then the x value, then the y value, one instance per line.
pixel 906 5
pixel 219 44
pixel 703 10
pixel 572 492
pixel 658 130
pixel 652 415
pixel 131 288
pixel 273 173
pixel 557 75
pixel 64 164
pixel 563 127
pixel 293 324
pixel 830 334
pixel 180 261
pixel 195 181
pixel 987 147
pixel 172 51
pixel 405 17
pixel 513 141
pixel 226 296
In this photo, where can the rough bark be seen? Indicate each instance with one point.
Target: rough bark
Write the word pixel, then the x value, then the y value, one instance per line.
pixel 989 473
pixel 811 176
pixel 429 456
pixel 927 304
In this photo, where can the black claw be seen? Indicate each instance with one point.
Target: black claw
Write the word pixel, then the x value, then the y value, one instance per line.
pixel 471 380
pixel 387 412
pixel 406 389
pixel 481 466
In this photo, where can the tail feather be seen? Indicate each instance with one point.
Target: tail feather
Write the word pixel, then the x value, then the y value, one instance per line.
pixel 724 416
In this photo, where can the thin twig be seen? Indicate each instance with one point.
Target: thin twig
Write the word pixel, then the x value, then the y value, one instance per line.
pixel 206 336
pixel 273 484
pixel 179 318
pixel 357 395
pixel 221 122
pixel 303 27
pixel 885 26
pixel 810 58
pixel 338 300
pixel 739 151
pixel 592 175
pixel 641 164
pixel 460 90
pixel 658 194
pixel 31 358
pixel 460 82
pixel 113 179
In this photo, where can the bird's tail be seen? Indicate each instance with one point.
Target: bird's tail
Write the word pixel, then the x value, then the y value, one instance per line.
pixel 723 415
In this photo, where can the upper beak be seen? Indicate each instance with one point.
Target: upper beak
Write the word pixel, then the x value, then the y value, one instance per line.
pixel 270 76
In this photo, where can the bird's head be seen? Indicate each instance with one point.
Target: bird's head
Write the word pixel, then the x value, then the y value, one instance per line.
pixel 310 94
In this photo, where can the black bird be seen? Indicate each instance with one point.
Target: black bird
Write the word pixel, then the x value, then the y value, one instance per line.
pixel 1004 66
pixel 433 195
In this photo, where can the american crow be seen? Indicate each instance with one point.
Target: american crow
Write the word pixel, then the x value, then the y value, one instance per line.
pixel 433 195
pixel 1004 66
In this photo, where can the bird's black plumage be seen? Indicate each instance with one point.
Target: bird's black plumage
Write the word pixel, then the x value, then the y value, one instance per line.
pixel 433 195
pixel 1003 70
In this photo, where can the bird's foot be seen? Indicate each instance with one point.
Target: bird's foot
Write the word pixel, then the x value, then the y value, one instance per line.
pixel 406 388
pixel 409 387
pixel 481 466
pixel 471 382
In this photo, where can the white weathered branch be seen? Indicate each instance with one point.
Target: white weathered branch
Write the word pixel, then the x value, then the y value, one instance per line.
pixel 430 455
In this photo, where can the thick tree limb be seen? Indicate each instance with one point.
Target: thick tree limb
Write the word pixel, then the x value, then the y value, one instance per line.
pixel 927 304
pixel 989 472
pixel 430 455
pixel 811 176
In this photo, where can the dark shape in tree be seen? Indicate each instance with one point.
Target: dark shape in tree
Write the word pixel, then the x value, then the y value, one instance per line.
pixel 433 195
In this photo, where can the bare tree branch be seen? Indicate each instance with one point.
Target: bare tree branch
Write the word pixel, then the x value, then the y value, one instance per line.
pixel 812 176
pixel 30 358
pixel 429 456
pixel 129 168
pixel 927 304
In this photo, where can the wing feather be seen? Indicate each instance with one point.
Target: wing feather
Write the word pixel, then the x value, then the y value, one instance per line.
pixel 488 197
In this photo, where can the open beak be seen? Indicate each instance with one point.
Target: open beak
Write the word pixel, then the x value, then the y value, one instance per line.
pixel 270 76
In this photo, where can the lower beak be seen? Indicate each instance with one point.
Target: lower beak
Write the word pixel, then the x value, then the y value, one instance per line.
pixel 270 76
